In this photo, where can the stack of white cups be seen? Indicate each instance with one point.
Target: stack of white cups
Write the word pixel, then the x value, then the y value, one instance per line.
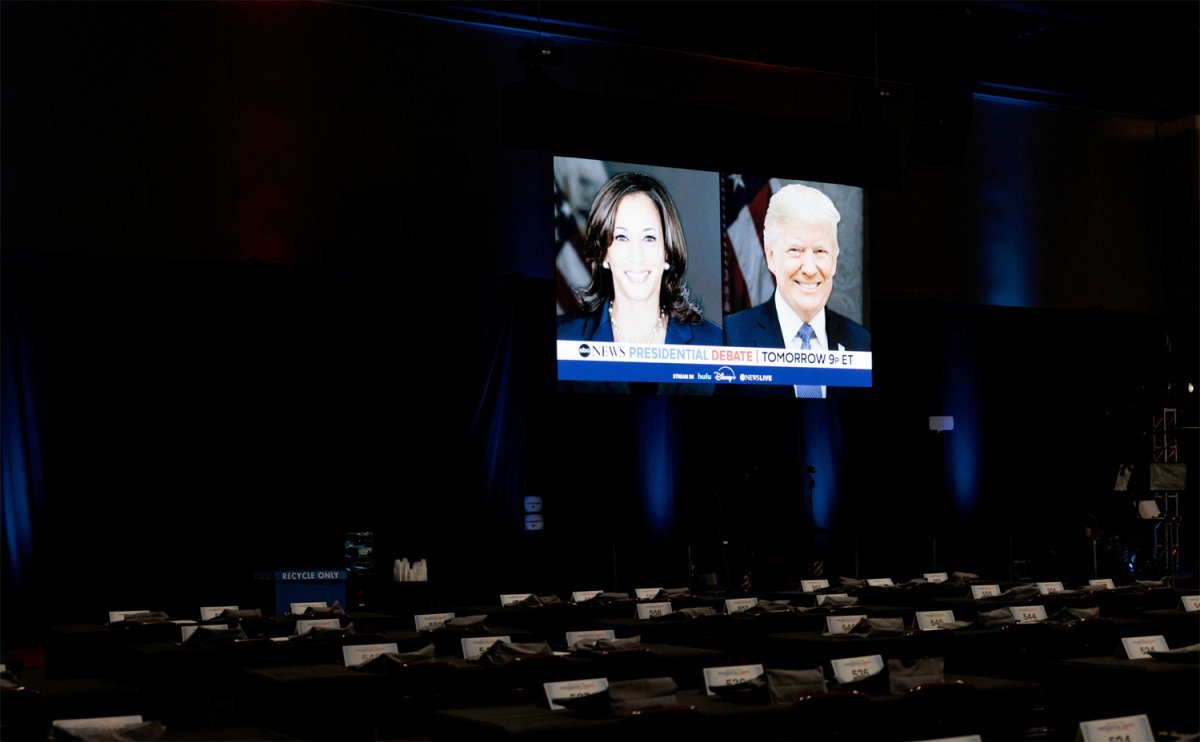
pixel 416 572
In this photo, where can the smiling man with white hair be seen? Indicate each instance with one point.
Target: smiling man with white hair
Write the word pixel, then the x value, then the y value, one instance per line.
pixel 801 246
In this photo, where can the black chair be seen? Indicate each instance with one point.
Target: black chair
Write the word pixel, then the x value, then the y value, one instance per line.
pixel 941 709
pixel 625 664
pixel 523 677
pixel 404 704
pixel 1022 650
pixel 1112 603
pixel 664 722
pixel 1158 598
pixel 1092 637
pixel 833 715
pixel 26 714
pixel 552 619
pixel 916 644
pixel 428 679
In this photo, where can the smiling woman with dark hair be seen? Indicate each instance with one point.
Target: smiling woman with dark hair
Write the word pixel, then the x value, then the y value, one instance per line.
pixel 637 255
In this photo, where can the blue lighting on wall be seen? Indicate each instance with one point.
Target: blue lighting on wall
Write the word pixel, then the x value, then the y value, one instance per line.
pixel 822 449
pixel 498 390
pixel 18 518
pixel 960 398
pixel 1005 259
pixel 1023 97
pixel 22 476
pixel 656 464
pixel 1008 194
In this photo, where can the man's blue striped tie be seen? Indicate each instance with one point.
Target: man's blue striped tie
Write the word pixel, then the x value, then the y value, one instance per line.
pixel 806 335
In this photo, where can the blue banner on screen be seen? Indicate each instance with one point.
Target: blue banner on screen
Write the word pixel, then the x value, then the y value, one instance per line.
pixel 703 364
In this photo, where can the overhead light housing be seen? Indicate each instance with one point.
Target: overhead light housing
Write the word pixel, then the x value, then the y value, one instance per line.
pixel 540 53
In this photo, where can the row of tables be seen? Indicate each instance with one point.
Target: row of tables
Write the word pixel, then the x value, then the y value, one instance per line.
pixel 1025 676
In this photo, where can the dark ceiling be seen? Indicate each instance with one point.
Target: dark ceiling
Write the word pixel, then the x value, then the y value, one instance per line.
pixel 1137 58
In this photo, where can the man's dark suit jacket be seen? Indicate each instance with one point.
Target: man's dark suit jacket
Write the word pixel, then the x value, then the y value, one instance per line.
pixel 758 327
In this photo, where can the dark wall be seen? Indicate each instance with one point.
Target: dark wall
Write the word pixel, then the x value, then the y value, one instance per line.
pixel 330 135
pixel 259 241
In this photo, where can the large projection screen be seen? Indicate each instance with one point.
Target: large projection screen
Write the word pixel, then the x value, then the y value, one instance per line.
pixel 731 338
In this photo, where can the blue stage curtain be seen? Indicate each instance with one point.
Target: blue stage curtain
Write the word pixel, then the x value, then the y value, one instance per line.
pixel 499 421
pixel 656 461
pixel 22 407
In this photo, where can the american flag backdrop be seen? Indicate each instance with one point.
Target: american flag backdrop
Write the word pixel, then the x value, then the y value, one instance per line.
pixel 745 278
pixel 568 245
pixel 575 185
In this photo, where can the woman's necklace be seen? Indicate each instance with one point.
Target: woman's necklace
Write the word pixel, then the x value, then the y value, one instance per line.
pixel 620 336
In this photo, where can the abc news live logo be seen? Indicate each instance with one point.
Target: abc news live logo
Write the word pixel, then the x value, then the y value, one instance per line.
pixel 723 374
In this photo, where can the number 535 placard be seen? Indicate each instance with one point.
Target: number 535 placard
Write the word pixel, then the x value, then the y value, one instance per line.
pixel 852 669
